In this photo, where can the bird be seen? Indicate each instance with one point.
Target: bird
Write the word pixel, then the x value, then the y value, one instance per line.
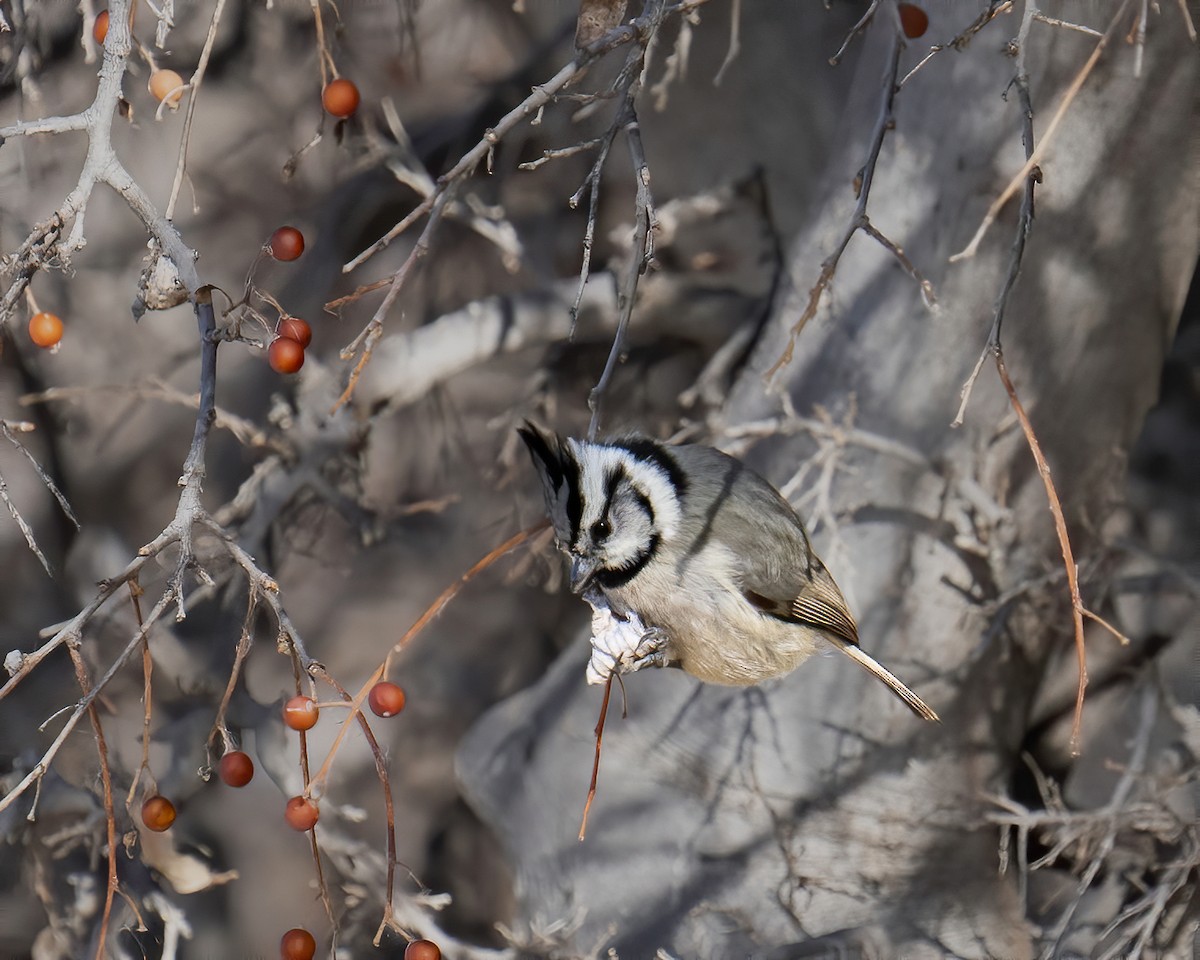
pixel 703 551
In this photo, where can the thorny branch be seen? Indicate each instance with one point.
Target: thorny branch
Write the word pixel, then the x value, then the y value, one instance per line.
pixel 863 181
pixel 994 349
pixel 434 205
pixel 1031 161
pixel 1093 832
pixel 642 251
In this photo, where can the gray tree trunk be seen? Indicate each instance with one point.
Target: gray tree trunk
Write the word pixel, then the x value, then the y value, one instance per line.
pixel 735 822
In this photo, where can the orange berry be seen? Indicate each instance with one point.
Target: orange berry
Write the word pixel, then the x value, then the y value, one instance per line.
pixel 296 329
pixel 301 813
pixel 45 329
pixel 100 27
pixel 340 98
pixel 285 355
pixel 236 768
pixel 286 243
pixel 297 944
pixel 164 85
pixel 158 813
pixel 386 699
pixel 913 20
pixel 422 950
pixel 301 713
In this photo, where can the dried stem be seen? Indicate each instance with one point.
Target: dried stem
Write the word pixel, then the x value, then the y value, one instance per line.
pixel 1031 162
pixel 591 794
pixel 858 219
pixel 1064 542
pixel 509 545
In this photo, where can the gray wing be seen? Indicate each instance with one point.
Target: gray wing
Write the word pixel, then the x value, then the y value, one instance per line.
pixel 780 574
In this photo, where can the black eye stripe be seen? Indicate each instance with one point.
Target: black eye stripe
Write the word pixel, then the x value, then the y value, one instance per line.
pixel 573 482
pixel 612 578
pixel 653 452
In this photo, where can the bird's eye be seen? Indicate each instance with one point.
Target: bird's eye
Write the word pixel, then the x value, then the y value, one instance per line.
pixel 601 529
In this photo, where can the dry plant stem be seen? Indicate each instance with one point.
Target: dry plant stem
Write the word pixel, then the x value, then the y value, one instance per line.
pixel 592 186
pixel 72 637
pixel 435 203
pixel 542 95
pixel 135 592
pixel 1189 25
pixel 388 920
pixel 7 427
pixel 960 42
pixel 24 527
pixel 735 41
pixel 194 83
pixel 1023 174
pixel 1066 25
pixel 1147 715
pixel 325 60
pixel 858 28
pixel 245 642
pixel 509 545
pixel 1024 220
pixel 370 335
pixel 858 219
pixel 152 388
pixel 1064 542
pixel 639 258
pixel 85 685
pixel 841 434
pixel 591 794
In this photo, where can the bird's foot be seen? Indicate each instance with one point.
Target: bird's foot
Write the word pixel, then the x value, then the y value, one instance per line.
pixel 622 644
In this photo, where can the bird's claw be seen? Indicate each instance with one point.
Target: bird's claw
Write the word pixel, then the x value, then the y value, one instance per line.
pixel 622 645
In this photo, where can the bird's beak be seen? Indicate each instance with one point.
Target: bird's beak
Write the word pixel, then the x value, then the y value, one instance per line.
pixel 583 570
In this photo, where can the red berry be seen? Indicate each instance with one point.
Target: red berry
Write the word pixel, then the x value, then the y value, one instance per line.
pixel 286 243
pixel 45 329
pixel 913 20
pixel 422 950
pixel 301 713
pixel 100 27
pixel 158 813
pixel 165 84
pixel 296 329
pixel 386 699
pixel 340 98
pixel 236 768
pixel 297 944
pixel 285 355
pixel 301 813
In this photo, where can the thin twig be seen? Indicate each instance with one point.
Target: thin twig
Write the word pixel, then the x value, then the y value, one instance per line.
pixel 858 28
pixel 1031 163
pixel 1147 715
pixel 110 817
pixel 591 794
pixel 640 255
pixel 1064 542
pixel 194 82
pixel 509 545
pixel 434 205
pixel 964 38
pixel 1024 220
pixel 48 482
pixel 858 219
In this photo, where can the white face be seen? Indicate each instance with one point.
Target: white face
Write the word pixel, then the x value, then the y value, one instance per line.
pixel 628 506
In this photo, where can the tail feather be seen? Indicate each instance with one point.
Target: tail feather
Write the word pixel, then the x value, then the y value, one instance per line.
pixel 867 662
